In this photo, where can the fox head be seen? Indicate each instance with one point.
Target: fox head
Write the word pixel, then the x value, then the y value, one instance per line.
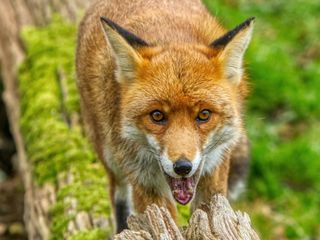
pixel 181 101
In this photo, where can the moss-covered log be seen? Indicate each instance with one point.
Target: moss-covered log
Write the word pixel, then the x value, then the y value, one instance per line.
pixel 69 186
pixel 57 166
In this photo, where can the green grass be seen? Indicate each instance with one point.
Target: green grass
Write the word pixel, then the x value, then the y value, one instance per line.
pixel 283 115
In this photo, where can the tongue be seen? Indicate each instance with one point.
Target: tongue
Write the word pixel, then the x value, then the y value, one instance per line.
pixel 182 189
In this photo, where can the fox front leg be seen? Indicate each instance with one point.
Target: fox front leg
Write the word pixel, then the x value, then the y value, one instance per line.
pixel 211 183
pixel 143 197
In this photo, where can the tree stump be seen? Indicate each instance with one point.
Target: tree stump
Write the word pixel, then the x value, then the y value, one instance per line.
pixel 218 221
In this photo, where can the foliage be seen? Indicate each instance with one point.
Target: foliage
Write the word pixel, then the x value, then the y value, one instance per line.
pixel 283 117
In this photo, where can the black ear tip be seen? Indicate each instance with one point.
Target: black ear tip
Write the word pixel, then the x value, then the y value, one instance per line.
pixel 250 20
pixel 128 36
pixel 246 23
pixel 227 37
pixel 104 19
pixel 107 21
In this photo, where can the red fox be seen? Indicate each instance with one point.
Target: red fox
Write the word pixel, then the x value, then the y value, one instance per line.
pixel 162 86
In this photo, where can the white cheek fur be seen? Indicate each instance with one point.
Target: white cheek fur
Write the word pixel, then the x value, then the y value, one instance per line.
pixel 130 131
pixel 214 156
pixel 153 142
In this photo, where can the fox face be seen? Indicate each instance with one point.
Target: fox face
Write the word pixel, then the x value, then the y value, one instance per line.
pixel 181 101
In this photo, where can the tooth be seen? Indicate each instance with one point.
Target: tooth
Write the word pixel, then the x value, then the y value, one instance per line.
pixel 175 192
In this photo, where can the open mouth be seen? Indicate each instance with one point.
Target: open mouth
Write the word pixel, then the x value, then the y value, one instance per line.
pixel 183 188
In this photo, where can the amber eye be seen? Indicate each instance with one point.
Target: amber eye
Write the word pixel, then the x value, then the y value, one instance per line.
pixel 158 117
pixel 204 116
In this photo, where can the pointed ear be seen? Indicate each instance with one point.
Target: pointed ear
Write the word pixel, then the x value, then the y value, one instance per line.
pixel 231 47
pixel 124 45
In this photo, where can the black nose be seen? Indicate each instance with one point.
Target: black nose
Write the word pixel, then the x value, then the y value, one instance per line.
pixel 182 167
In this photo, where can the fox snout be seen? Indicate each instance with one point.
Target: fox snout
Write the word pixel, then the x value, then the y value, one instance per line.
pixel 182 175
pixel 182 167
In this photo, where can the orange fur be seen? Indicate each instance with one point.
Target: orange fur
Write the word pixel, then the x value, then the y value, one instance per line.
pixel 178 74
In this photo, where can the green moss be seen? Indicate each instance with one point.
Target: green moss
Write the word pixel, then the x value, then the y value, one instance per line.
pixel 90 235
pixel 184 214
pixel 60 220
pixel 54 147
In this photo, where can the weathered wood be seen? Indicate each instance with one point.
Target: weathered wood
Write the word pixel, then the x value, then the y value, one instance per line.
pixel 156 221
pixel 218 221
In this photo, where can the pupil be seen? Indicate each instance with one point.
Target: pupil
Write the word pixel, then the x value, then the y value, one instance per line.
pixel 204 114
pixel 157 116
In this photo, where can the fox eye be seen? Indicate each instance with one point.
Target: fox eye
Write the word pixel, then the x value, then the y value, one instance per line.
pixel 203 116
pixel 158 117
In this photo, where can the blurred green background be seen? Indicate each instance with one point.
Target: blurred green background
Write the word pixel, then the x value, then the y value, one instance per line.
pixel 283 61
